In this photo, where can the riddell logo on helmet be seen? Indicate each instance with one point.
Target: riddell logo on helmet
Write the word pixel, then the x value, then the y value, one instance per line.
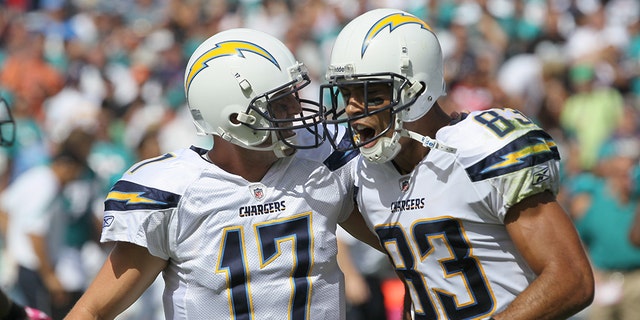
pixel 345 70
pixel 339 69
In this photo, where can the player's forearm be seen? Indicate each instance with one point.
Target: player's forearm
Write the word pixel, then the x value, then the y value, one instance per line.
pixel 80 312
pixel 101 302
pixel 550 297
pixel 124 276
pixel 345 261
pixel 357 227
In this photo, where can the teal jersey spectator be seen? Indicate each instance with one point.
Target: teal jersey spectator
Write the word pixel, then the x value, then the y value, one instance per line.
pixel 603 224
pixel 109 161
pixel 77 199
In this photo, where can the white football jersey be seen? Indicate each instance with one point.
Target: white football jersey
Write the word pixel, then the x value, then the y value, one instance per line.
pixel 237 249
pixel 442 225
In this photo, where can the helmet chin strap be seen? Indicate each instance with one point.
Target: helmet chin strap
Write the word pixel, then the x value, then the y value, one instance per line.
pixel 428 142
pixel 387 148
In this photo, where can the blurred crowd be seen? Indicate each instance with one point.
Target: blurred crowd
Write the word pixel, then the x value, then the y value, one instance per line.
pixel 101 81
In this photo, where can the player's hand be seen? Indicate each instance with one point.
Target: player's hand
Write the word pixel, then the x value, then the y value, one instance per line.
pixel 35 314
pixel 356 290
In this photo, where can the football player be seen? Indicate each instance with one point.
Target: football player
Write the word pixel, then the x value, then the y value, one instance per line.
pixel 466 211
pixel 247 229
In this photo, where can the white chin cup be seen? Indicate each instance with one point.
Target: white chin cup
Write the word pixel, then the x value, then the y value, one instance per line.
pixel 279 148
pixel 384 150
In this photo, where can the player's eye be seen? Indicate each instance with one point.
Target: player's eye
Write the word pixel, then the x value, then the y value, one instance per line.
pixel 345 94
pixel 375 101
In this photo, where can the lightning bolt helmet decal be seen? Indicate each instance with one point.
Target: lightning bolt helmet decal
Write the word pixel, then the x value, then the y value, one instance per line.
pixel 228 48
pixel 393 21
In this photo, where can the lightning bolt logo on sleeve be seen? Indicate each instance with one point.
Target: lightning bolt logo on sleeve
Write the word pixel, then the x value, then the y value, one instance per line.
pixel 393 21
pixel 518 156
pixel 126 195
pixel 228 48
pixel 131 197
pixel 533 148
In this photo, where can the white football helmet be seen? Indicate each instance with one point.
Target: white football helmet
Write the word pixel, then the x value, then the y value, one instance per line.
pixel 235 78
pixel 385 46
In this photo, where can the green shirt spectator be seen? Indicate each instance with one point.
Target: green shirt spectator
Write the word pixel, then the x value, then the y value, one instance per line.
pixel 591 114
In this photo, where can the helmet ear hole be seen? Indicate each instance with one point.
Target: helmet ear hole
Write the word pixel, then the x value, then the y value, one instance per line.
pixel 233 118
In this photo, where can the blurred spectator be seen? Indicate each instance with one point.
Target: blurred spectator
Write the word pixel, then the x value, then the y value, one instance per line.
pixel 31 147
pixel 109 156
pixel 270 16
pixel 520 77
pixel 634 231
pixel 69 109
pixel 591 114
pixel 631 58
pixel 142 16
pixel 522 22
pixel 29 76
pixel 479 88
pixel 10 309
pixel 37 222
pixel 555 94
pixel 601 205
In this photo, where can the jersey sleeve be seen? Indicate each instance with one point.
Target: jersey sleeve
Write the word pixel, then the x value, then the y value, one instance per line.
pixel 140 206
pixel 139 214
pixel 513 155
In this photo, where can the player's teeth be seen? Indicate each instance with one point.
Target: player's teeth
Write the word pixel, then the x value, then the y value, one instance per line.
pixel 360 127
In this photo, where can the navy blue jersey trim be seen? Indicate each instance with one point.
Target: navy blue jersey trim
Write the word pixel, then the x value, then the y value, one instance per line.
pixel 338 159
pixel 126 195
pixel 198 150
pixel 533 148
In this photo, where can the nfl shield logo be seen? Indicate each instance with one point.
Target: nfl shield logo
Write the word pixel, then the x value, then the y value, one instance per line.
pixel 404 184
pixel 257 191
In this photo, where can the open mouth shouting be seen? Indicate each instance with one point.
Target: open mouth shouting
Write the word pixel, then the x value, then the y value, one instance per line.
pixel 364 135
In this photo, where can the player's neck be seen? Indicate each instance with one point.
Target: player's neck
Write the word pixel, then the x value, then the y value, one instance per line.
pixel 412 151
pixel 249 164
